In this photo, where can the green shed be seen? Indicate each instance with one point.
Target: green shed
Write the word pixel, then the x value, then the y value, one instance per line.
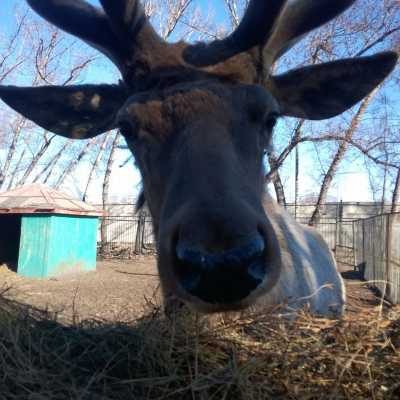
pixel 46 233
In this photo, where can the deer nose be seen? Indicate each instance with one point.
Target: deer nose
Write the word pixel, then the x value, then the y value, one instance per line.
pixel 225 277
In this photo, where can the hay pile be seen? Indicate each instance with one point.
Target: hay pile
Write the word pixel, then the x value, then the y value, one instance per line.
pixel 252 357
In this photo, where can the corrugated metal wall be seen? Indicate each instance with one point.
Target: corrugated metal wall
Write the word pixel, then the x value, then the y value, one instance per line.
pixel 53 245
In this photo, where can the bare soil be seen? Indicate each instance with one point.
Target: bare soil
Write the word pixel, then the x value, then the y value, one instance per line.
pixel 360 295
pixel 116 291
pixel 120 290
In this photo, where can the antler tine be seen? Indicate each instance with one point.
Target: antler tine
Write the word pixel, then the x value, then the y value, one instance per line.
pixel 254 29
pixel 85 21
pixel 296 20
pixel 127 18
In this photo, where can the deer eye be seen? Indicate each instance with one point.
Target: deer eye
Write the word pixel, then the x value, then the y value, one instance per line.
pixel 129 131
pixel 126 129
pixel 270 121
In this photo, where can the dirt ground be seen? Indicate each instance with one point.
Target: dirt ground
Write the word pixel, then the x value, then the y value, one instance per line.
pixel 120 290
pixel 117 290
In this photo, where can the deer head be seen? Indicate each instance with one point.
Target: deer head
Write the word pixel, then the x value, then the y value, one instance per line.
pixel 198 118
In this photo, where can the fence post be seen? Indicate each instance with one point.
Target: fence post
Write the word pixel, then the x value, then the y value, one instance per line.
pixel 388 254
pixel 364 261
pixel 354 245
pixel 103 236
pixel 143 216
pixel 336 230
pixel 138 241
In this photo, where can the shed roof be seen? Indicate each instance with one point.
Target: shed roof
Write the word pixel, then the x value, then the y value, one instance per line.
pixel 40 199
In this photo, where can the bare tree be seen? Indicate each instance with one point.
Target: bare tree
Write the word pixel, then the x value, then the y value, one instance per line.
pixel 95 165
pixel 56 60
pixel 51 163
pixel 337 159
pixel 17 168
pixel 106 187
pixel 276 179
pixel 396 194
pixel 16 130
pixel 73 164
pixel 36 158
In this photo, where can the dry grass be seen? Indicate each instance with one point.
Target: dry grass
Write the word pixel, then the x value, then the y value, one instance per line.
pixel 257 356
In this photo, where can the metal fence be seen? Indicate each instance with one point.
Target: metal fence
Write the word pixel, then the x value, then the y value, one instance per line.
pixel 372 245
pixel 377 253
pixel 125 236
pixel 338 234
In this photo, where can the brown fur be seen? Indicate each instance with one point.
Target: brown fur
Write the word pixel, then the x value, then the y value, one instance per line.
pixel 241 69
pixel 162 56
pixel 159 118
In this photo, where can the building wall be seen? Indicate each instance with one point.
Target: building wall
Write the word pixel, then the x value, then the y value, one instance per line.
pixel 53 245
pixel 34 245
pixel 72 245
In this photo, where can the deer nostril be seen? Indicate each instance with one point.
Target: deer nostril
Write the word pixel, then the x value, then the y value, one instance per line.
pixel 222 277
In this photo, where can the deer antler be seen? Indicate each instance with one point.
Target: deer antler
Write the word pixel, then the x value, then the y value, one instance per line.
pixel 276 25
pixel 254 29
pixel 121 32
pixel 296 20
pixel 126 17
pixel 84 21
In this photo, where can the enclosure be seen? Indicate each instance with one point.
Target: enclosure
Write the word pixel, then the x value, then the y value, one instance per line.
pixel 123 233
pixel 377 253
pixel 358 237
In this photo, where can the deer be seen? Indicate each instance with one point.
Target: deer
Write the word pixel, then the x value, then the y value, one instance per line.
pixel 198 118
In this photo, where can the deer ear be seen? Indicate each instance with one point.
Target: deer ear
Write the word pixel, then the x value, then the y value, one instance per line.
pixel 76 112
pixel 326 90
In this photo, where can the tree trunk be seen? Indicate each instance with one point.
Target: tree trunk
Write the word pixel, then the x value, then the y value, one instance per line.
pixel 296 138
pixel 276 180
pixel 73 164
pixel 95 166
pixel 396 194
pixel 35 160
pixel 385 172
pixel 384 190
pixel 11 151
pixel 343 146
pixel 296 182
pixel 106 188
pixel 15 172
pixel 51 164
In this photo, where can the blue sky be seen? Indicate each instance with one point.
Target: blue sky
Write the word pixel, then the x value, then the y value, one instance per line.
pixel 8 6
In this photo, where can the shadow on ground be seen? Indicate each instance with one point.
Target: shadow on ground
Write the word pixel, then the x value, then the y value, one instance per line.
pixel 351 275
pixel 252 356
